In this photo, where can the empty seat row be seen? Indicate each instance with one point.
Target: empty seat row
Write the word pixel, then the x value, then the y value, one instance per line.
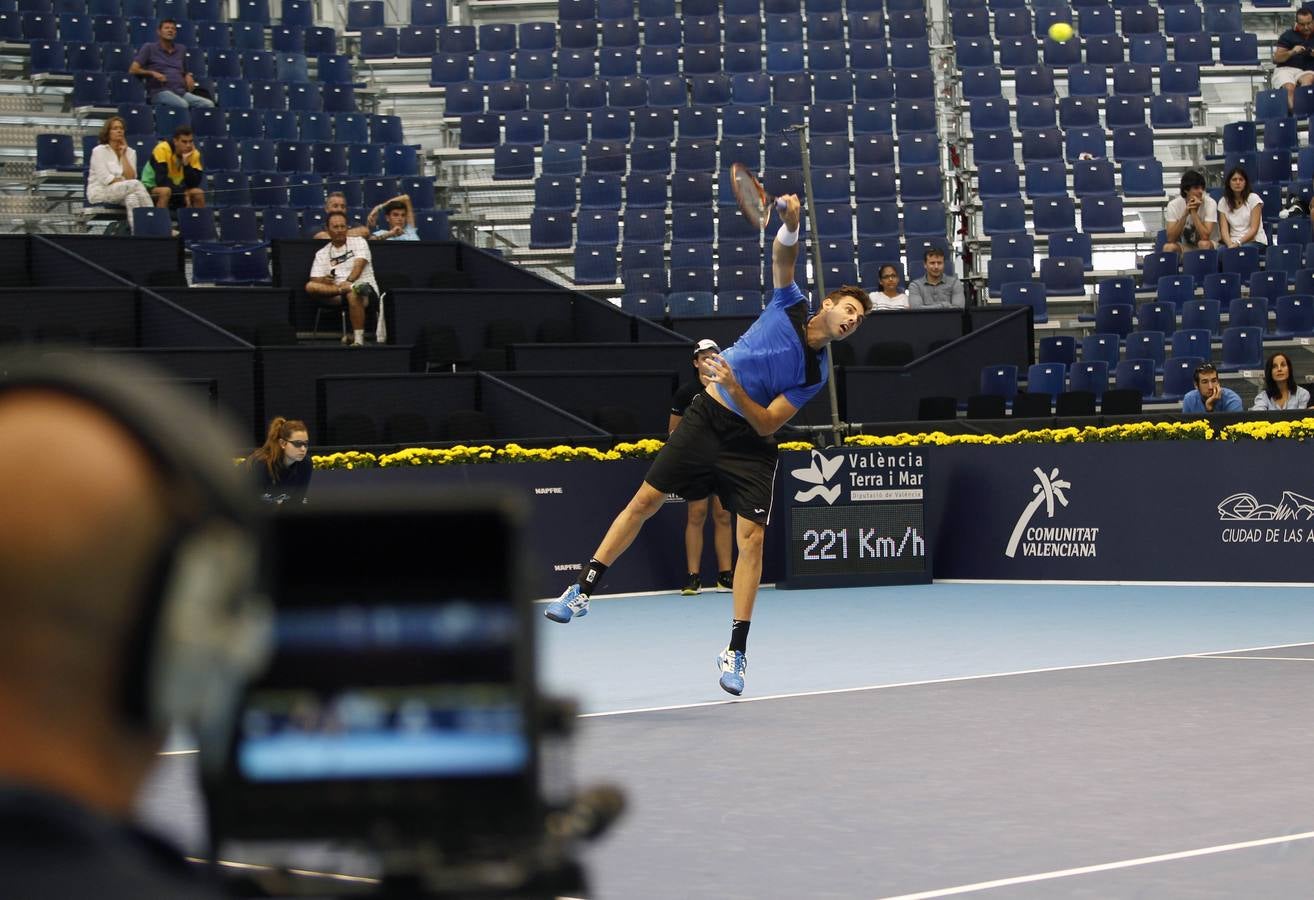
pixel 84 29
pixel 244 225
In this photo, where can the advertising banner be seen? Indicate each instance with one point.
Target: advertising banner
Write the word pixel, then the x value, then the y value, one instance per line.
pixel 571 505
pixel 854 517
pixel 1142 511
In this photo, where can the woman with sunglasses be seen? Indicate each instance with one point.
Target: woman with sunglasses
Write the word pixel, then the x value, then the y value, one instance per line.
pixel 281 467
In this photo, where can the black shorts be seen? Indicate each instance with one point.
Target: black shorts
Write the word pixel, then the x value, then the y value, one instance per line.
pixel 715 450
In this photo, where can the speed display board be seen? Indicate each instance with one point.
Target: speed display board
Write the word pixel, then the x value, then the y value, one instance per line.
pixel 855 517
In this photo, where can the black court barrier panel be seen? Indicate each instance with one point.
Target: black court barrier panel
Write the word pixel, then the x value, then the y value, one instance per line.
pixel 15 270
pixel 470 313
pixel 570 507
pixel 235 309
pixel 144 261
pixel 166 324
pixel 677 358
pixel 54 266
pixel 99 316
pixel 492 271
pixel 954 370
pixel 437 409
pixel 1144 511
pixel 288 375
pixel 615 401
pixel 231 369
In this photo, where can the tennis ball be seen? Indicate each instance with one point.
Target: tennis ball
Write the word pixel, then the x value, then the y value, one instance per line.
pixel 1061 31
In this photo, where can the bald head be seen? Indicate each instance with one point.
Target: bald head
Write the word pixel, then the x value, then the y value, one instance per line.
pixel 81 517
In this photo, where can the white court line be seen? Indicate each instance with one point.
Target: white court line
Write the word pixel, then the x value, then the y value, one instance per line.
pixel 1282 658
pixel 1102 867
pixel 928 681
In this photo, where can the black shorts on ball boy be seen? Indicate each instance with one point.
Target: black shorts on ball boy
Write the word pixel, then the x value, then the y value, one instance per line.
pixel 716 451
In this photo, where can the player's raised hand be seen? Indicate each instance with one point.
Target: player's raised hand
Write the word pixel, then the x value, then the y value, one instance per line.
pixel 719 371
pixel 790 214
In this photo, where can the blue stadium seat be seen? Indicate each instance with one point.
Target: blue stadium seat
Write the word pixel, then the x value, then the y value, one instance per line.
pixel 1061 349
pixel 1193 341
pixel 1243 348
pixel 1013 245
pixel 1102 214
pixel 1105 347
pixel 1135 374
pixel 1114 318
pixel 1142 178
pixel 999 381
pixel 1180 78
pixel 1054 214
pixel 362 14
pixel 1063 276
pixel 595 264
pixel 1295 316
pixel 1003 270
pixel 1248 312
pixel 1176 289
pixel 1032 294
pixel 1090 375
pixel 1238 49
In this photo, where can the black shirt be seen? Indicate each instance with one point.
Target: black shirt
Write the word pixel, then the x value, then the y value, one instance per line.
pixel 288 483
pixel 684 396
pixel 1291 38
pixel 51 847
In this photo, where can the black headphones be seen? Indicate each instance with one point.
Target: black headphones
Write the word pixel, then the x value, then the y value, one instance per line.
pixel 204 627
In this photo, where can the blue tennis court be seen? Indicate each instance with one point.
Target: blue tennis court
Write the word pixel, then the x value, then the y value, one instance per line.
pixel 1009 740
pixel 1019 741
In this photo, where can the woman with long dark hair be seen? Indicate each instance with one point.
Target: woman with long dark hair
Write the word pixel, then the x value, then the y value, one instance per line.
pixel 281 466
pixel 1240 211
pixel 1280 388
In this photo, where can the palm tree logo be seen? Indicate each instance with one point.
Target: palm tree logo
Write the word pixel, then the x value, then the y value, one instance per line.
pixel 1047 490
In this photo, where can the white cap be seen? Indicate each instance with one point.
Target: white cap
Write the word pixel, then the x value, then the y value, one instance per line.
pixel 706 344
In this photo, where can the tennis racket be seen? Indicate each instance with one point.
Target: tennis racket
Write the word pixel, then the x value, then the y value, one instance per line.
pixel 754 202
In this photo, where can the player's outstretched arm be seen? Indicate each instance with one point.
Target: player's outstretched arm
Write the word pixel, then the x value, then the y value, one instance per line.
pixel 783 256
pixel 764 419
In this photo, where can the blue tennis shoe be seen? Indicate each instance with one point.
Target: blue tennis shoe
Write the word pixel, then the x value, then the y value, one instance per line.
pixel 570 605
pixel 733 666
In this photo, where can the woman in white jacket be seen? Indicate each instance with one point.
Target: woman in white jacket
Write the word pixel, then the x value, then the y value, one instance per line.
pixel 112 173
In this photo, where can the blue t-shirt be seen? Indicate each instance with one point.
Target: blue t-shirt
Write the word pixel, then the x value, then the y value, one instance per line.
pixel 1228 401
pixel 771 357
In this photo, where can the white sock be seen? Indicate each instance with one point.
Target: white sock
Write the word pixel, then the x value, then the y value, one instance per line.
pixel 359 334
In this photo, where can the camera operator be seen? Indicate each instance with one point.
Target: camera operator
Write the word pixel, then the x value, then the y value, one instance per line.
pixel 80 528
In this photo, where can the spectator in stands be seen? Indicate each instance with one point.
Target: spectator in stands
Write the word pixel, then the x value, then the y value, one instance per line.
pixel 163 65
pixel 336 202
pixel 889 296
pixel 281 467
pixel 722 537
pixel 935 289
pixel 1240 219
pixel 400 218
pixel 1294 56
pixel 173 173
pixel 1209 394
pixel 1190 219
pixel 112 172
pixel 344 268
pixel 1280 388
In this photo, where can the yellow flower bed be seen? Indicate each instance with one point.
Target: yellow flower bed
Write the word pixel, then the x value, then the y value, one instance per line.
pixel 1300 430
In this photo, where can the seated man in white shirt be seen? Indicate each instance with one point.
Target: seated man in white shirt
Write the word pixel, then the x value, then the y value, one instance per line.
pixel 1190 220
pixel 343 268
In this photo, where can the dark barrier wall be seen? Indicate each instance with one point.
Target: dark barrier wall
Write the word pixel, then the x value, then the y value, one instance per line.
pixel 644 395
pixel 107 316
pixel 891 394
pixel 140 260
pixel 427 400
pixel 288 375
pixel 165 324
pixel 493 271
pixel 232 370
pixel 1171 511
pixel 14 269
pixel 243 307
pixel 570 507
pixel 469 312
pixel 587 357
pixel 53 266
pixel 534 418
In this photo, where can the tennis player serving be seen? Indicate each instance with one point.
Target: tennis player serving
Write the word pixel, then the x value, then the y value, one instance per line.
pixel 726 441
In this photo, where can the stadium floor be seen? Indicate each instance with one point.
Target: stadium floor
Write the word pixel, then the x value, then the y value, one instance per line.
pixel 1019 741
